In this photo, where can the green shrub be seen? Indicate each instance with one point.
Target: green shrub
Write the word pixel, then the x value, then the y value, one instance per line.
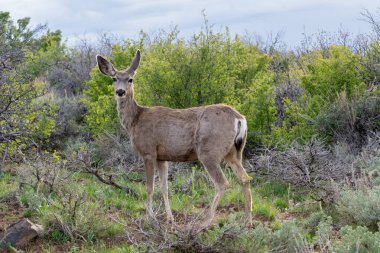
pixel 294 236
pixel 31 200
pixel 373 168
pixel 281 203
pixel 350 120
pixel 265 209
pixel 311 223
pixel 322 76
pixel 366 163
pixel 101 115
pixel 26 115
pixel 113 150
pixel 289 238
pixel 75 216
pixel 8 185
pixel 360 207
pixel 231 237
pixel 329 76
pixel 357 240
pixel 69 118
pixel 209 69
pixel 324 235
pixel 318 229
pixel 57 236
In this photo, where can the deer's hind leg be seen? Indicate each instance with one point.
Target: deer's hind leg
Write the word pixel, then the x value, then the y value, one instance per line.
pixel 234 160
pixel 162 168
pixel 211 147
pixel 220 182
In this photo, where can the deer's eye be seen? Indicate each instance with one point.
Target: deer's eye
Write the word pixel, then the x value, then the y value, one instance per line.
pixel 114 79
pixel 130 80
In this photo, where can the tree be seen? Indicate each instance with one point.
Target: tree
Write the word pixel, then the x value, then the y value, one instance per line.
pixel 340 72
pixel 24 57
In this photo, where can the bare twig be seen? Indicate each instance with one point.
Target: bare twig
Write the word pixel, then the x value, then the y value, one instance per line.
pixel 108 180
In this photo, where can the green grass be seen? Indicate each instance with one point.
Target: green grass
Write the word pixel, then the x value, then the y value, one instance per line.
pixel 105 209
pixel 282 204
pixel 8 189
pixel 99 247
pixel 269 198
pixel 7 185
pixel 265 209
pixel 274 189
pixel 57 236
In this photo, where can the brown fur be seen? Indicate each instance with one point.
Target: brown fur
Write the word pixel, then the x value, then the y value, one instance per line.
pixel 209 134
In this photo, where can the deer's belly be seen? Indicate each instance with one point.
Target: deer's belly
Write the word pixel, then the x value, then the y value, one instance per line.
pixel 176 154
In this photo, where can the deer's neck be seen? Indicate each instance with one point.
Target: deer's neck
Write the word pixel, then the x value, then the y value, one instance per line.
pixel 128 110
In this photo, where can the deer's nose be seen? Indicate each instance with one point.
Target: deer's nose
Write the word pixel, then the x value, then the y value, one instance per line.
pixel 120 92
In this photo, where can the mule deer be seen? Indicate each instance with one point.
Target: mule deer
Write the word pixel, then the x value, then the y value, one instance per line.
pixel 159 134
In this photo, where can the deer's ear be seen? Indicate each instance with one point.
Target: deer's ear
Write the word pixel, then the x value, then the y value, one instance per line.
pixel 135 63
pixel 105 66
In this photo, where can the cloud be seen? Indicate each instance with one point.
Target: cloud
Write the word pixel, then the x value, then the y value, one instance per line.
pixel 127 18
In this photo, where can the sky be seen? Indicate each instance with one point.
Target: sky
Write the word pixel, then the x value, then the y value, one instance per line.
pixel 125 18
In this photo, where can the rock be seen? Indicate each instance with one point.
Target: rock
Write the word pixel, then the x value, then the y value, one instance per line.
pixel 20 233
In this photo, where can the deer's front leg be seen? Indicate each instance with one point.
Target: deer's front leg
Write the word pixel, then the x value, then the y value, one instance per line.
pixel 162 168
pixel 149 172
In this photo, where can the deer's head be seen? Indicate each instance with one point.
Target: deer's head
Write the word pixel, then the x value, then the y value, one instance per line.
pixel 123 80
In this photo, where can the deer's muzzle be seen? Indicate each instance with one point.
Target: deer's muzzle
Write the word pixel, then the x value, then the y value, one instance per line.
pixel 120 92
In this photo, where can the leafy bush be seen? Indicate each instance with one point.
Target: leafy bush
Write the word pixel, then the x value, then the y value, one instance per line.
pixel 45 173
pixel 314 232
pixel 265 210
pixel 69 119
pixel 315 222
pixel 7 186
pixel 227 236
pixel 101 112
pixel 351 120
pixel 54 193
pixel 360 207
pixel 324 235
pixel 285 94
pixel 322 76
pixel 74 215
pixel 213 68
pixel 357 240
pixel 110 159
pixel 26 118
pixel 230 237
pixel 31 200
pixel 331 75
pixel 114 151
pixel 58 237
pixel 289 238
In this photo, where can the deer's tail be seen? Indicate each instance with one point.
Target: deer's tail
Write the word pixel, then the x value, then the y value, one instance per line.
pixel 241 133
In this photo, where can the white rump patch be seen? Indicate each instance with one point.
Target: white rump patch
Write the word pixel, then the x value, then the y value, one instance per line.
pixel 240 132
